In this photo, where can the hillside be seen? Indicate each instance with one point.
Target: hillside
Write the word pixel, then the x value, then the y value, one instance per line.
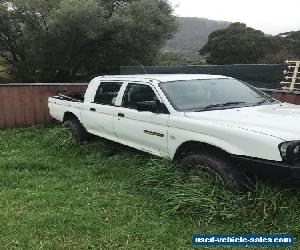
pixel 192 35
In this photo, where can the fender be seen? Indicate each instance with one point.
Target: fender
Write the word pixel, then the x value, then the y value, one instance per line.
pixel 228 139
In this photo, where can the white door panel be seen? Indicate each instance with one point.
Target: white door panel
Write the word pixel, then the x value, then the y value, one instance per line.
pixel 98 114
pixel 98 119
pixel 146 130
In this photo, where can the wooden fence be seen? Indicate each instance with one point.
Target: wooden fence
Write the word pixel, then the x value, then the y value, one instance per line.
pixel 284 95
pixel 27 104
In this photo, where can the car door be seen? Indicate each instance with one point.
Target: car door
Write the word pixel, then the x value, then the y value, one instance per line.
pixel 98 115
pixel 144 130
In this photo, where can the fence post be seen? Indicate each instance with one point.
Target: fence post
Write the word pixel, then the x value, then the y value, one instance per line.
pixel 294 78
pixel 291 80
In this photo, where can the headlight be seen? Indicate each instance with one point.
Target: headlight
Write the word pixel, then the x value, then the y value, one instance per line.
pixel 283 149
pixel 290 151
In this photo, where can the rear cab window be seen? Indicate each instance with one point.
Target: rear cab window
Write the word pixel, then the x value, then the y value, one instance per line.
pixel 107 93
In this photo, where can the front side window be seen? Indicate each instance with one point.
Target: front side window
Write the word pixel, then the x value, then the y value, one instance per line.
pixel 107 93
pixel 137 93
pixel 192 95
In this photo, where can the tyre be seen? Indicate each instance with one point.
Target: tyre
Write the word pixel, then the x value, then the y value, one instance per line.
pixel 78 131
pixel 219 167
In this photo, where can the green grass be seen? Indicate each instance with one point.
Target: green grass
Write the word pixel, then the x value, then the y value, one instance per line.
pixel 57 194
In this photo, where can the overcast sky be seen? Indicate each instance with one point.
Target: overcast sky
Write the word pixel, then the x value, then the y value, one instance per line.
pixel 272 17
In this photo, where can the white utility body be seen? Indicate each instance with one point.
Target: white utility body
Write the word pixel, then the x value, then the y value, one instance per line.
pixel 217 111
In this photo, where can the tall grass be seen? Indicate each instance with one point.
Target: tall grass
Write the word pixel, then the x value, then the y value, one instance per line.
pixel 180 194
pixel 125 181
pixel 194 195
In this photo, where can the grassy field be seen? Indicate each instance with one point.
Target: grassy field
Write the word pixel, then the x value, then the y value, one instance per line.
pixel 56 194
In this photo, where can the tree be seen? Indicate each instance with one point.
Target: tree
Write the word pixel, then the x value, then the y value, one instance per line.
pixel 4 76
pixel 171 58
pixel 65 40
pixel 238 44
pixel 291 41
pixel 288 48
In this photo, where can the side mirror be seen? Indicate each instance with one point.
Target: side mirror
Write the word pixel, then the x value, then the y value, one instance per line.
pixel 152 106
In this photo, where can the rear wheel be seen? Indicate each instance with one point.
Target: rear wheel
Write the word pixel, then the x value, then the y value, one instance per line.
pixel 78 131
pixel 220 168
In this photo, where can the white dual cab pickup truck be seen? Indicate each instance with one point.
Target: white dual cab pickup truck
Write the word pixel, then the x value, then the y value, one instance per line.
pixel 217 124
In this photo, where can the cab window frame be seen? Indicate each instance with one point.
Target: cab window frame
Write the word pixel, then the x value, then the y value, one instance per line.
pixel 128 85
pixel 120 83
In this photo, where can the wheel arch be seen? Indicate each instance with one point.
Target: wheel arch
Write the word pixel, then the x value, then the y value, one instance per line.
pixel 195 146
pixel 69 116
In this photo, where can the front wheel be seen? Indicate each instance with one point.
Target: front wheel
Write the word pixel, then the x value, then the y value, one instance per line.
pixel 221 168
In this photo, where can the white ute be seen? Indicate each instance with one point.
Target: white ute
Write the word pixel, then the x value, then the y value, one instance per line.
pixel 213 123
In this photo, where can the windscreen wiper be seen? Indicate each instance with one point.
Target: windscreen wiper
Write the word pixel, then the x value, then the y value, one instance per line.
pixel 219 105
pixel 266 100
pixel 262 102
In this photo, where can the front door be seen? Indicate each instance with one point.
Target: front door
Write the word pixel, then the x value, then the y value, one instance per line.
pixel 144 130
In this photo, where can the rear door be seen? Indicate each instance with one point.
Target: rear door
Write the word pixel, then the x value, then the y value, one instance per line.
pixel 98 115
pixel 144 130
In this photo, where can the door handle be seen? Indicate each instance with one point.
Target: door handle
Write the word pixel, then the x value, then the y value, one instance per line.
pixel 93 109
pixel 121 115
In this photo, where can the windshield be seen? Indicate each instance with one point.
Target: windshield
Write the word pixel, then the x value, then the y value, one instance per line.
pixel 212 93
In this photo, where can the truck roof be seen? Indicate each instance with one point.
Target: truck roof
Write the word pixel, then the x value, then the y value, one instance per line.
pixel 164 77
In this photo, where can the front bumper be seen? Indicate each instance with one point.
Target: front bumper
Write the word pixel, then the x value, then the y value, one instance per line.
pixel 276 171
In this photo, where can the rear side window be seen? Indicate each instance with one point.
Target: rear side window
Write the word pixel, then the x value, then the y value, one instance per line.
pixel 107 93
